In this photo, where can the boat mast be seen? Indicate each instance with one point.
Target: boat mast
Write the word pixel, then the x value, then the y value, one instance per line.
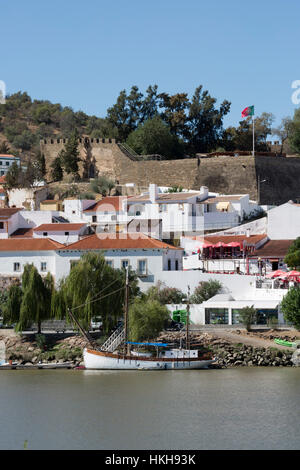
pixel 127 348
pixel 188 320
pixel 84 333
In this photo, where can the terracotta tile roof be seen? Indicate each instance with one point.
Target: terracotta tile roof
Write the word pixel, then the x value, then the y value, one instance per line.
pixel 273 249
pixel 123 241
pixel 109 203
pixel 29 244
pixel 22 233
pixel 58 227
pixel 6 213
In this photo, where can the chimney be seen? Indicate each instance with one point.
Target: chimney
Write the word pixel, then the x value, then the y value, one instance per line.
pixel 204 192
pixel 153 193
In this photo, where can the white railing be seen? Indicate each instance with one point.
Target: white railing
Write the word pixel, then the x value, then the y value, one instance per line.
pixel 114 341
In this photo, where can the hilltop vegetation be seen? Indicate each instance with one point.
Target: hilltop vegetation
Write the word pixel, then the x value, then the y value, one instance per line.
pixel 172 125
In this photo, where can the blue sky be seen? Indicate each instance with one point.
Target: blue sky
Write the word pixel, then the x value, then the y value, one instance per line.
pixel 83 53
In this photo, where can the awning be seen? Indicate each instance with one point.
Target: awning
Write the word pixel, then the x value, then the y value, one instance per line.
pixel 235 244
pixel 222 206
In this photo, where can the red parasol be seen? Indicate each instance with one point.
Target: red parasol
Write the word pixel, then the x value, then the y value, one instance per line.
pixel 276 273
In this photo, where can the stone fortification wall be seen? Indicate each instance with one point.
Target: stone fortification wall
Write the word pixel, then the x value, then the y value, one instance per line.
pixel 273 180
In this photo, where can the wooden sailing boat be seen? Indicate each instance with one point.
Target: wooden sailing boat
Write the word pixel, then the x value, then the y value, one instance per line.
pixel 108 356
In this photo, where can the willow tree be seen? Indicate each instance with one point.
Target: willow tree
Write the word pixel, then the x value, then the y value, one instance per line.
pixel 36 300
pixel 11 310
pixel 92 288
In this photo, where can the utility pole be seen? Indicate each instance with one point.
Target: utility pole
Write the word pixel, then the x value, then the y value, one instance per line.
pixel 127 347
pixel 253 139
pixel 188 320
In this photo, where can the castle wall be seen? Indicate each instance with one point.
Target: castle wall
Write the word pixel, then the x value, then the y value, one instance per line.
pixel 222 174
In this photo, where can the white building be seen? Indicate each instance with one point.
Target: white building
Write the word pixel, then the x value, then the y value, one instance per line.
pixel 62 233
pixel 222 253
pixel 27 198
pixel 6 162
pixel 224 308
pixel 146 256
pixel 284 222
pixel 190 212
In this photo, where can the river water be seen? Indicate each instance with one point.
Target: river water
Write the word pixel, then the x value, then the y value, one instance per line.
pixel 242 408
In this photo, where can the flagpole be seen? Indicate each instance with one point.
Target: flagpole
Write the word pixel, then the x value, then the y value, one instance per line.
pixel 253 140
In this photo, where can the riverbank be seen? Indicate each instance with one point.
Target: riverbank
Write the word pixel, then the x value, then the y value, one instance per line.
pixel 236 348
pixel 232 348
pixel 27 350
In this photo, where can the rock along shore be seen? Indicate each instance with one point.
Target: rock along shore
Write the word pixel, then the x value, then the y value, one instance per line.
pixel 24 350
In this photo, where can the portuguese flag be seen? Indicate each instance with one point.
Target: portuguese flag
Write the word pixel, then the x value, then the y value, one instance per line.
pixel 249 111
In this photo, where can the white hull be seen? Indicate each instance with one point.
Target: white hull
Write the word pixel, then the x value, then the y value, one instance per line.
pixel 99 360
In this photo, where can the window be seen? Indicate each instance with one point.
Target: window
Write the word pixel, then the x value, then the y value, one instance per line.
pixel 162 207
pixel 216 316
pixel 1 225
pixel 67 234
pixel 0 163
pixel 176 265
pixel 142 267
pixel 17 267
pixel 7 163
pixel 45 234
pixel 2 173
pixel 169 265
pixel 43 266
pixel 180 207
pixel 94 218
pixel 110 263
pixel 124 263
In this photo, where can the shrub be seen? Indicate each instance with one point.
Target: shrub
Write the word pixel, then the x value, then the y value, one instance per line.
pixel 247 317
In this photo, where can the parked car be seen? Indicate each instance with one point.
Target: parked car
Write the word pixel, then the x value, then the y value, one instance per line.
pixel 96 323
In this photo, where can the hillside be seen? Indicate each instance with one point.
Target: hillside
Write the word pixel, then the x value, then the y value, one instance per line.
pixel 23 122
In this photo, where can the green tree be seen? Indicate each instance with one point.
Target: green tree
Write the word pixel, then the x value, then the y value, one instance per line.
pixel 205 121
pixel 93 289
pixel 292 258
pixel 11 309
pixel 165 295
pixel 70 155
pixel 205 290
pixel 290 306
pixel 241 137
pixel 155 137
pixel 56 169
pixel 40 165
pixel 174 112
pixel 146 319
pixel 102 185
pixel 13 176
pixel 36 299
pixel 294 138
pixel 247 316
pixel 284 131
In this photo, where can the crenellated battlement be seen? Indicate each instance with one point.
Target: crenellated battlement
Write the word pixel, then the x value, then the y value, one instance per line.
pixel 81 140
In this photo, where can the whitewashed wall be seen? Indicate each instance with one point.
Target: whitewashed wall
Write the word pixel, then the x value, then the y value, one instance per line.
pixel 7 260
pixel 284 222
